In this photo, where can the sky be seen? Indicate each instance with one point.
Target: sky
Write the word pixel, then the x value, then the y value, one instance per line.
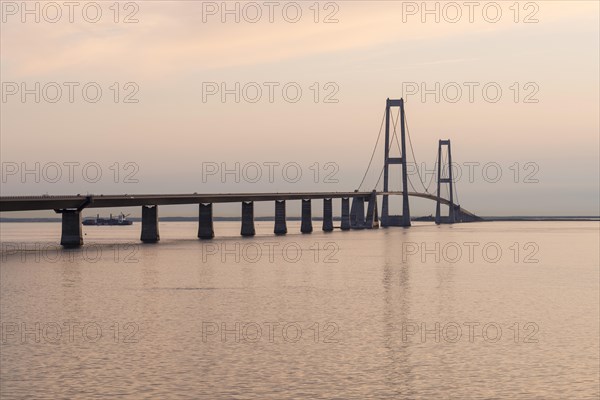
pixel 222 97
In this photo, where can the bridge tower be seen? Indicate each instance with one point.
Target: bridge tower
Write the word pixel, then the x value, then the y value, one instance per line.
pixel 386 219
pixel 450 181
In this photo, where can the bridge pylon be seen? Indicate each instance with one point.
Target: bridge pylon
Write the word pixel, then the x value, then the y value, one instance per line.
pixel 439 219
pixel 386 219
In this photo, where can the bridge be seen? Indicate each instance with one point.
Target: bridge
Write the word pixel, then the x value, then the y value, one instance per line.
pixel 352 217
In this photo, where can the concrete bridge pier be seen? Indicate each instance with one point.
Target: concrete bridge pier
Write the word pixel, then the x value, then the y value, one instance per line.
pixel 345 214
pixel 205 221
pixel 150 224
pixel 248 218
pixel 280 223
pixel 385 211
pixel 372 220
pixel 456 215
pixel 327 215
pixel 306 226
pixel 71 229
pixel 357 213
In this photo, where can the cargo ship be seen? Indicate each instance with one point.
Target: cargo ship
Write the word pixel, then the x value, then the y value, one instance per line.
pixel 428 218
pixel 120 220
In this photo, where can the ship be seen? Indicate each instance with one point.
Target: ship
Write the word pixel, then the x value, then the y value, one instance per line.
pixel 427 218
pixel 120 220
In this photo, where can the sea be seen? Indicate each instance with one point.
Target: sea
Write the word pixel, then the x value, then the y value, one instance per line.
pixel 486 310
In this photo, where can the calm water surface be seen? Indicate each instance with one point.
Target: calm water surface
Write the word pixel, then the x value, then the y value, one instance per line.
pixel 485 310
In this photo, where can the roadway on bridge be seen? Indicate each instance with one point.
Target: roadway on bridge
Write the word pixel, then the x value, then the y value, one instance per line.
pixel 30 203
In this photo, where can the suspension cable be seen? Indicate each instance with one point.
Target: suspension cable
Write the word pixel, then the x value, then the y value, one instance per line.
pixel 380 175
pixel 456 195
pixel 437 160
pixel 374 150
pixel 455 189
pixel 413 154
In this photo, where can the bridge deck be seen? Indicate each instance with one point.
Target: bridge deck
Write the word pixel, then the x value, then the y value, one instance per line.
pixel 29 203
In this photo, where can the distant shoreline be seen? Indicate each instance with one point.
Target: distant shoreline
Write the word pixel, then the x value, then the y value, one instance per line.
pixel 417 219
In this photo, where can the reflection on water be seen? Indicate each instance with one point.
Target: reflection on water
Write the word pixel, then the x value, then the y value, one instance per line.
pixel 486 310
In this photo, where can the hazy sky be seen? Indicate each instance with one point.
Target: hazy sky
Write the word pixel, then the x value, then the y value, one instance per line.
pixel 541 133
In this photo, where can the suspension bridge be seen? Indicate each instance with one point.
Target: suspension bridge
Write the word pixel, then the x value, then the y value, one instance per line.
pixel 361 214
